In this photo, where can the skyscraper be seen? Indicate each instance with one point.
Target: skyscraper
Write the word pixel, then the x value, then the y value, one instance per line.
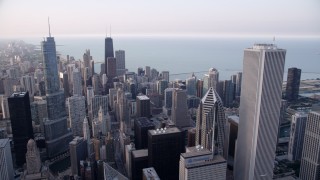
pixel 121 62
pixel 210 124
pixel 6 165
pixel 164 149
pixel 310 160
pixel 21 123
pixel 263 67
pixel 238 83
pixel 143 106
pixel 77 112
pixel 57 134
pixel 78 151
pixel 108 51
pixel 213 79
pixel 227 93
pixel 141 127
pixel 165 75
pixel 201 164
pixel 191 85
pixel 27 82
pixel 77 83
pixel 298 125
pixel 180 116
pixel 293 84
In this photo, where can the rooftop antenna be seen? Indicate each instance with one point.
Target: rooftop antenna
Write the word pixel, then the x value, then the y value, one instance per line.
pixel 49 27
pixel 110 30
pixel 106 30
pixel 274 40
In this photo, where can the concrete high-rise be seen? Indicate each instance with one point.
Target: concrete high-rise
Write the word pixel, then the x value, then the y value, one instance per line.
pixel 179 114
pixel 263 68
pixel 298 125
pixel 77 112
pixel 21 123
pixel 310 160
pixel 56 141
pixel 33 158
pixel 165 75
pixel 213 78
pixel 238 83
pixel 78 152
pixel 210 124
pixel 201 164
pixel 143 106
pixel 121 62
pixel 191 85
pixel 293 84
pixel 6 165
pixel 28 84
pixel 77 83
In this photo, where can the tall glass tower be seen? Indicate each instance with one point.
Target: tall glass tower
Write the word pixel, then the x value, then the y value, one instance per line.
pixel 57 134
pixel 263 67
pixel 108 51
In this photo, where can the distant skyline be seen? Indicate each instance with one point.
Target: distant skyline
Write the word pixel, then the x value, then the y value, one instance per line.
pixel 20 18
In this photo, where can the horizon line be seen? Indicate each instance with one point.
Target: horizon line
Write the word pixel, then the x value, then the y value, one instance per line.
pixel 172 35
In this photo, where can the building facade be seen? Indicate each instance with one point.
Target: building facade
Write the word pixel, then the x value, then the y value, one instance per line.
pixel 259 111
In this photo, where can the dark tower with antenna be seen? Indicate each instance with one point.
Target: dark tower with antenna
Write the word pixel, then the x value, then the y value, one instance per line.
pixel 109 61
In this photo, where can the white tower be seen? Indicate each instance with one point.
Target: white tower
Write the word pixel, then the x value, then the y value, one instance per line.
pixel 263 68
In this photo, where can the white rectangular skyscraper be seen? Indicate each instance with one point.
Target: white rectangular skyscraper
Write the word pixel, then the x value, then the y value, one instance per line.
pixel 263 68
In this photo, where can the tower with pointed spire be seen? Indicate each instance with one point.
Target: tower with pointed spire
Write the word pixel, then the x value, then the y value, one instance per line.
pixel 57 134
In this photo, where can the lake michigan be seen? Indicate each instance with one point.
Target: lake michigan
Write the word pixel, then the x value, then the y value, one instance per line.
pixel 184 55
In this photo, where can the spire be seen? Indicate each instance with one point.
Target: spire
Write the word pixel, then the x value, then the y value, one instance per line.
pixel 49 27
pixel 106 30
pixel 110 30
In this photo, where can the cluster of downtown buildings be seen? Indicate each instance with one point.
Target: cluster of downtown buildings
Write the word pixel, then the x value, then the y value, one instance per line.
pixel 62 119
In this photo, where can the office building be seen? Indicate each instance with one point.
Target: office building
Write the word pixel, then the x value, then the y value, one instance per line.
pixel 200 88
pixel 147 71
pixel 111 68
pixel 21 124
pixel 8 84
pixel 297 130
pixel 56 141
pixel 77 112
pixel 165 75
pixel 164 149
pixel 66 84
pixel 210 123
pixel 139 161
pixel 97 102
pixel 310 160
pixel 180 116
pixel 121 62
pixel 5 107
pixel 231 138
pixel 143 106
pixel 201 164
pixel 6 164
pixel 33 158
pixel 293 84
pixel 191 85
pixel 78 152
pixel 238 83
pixel 168 98
pixel 213 78
pixel 263 68
pixel 77 83
pixel 161 86
pixel 141 127
pixel 227 93
pixel 128 158
pixel 28 84
pixel 108 51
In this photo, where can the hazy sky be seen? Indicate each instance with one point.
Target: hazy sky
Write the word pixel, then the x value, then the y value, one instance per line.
pixel 21 18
